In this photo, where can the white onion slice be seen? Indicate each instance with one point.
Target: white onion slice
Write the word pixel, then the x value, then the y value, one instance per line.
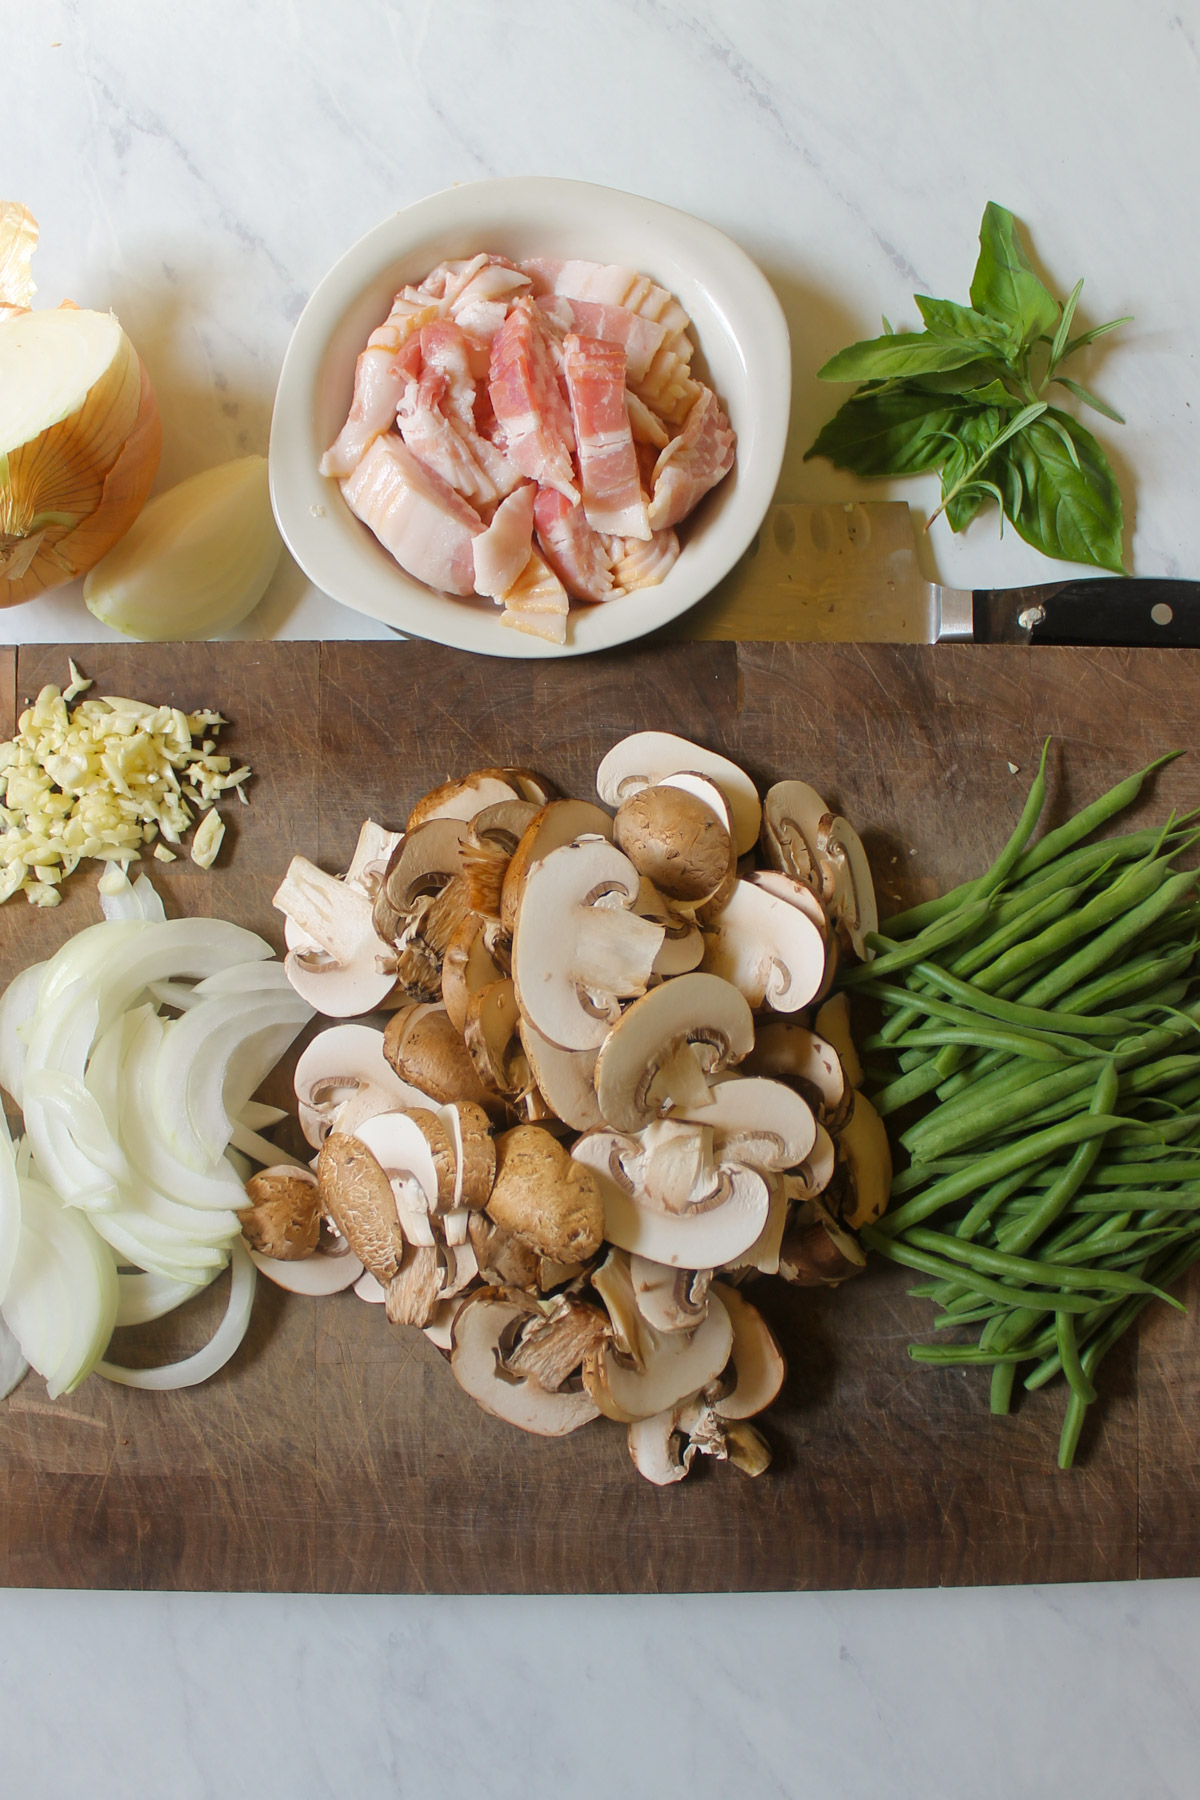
pixel 17 1008
pixel 245 978
pixel 10 1207
pixel 145 1297
pixel 256 1115
pixel 62 1300
pixel 13 1367
pixel 216 1353
pixel 261 1150
pixel 145 1144
pixel 208 1057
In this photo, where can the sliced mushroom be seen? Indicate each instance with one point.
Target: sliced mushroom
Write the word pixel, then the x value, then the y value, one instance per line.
pixel 816 1172
pixel 785 1049
pixel 493 1042
pixel 676 841
pixel 578 950
pixel 357 1195
pixel 565 1078
pixel 816 1252
pixel 757 1362
pixel 669 1299
pixel 613 1281
pixel 421 903
pixel 417 1286
pixel 763 1253
pixel 439 1328
pixel 464 798
pixel 558 823
pixel 677 1364
pixel 697 1239
pixel 424 1049
pixel 472 960
pixel 868 1154
pixel 552 1348
pixel 770 951
pixel 372 854
pixel 478 1334
pixel 400 1147
pixel 545 1197
pixel 798 894
pixel 804 839
pixel 683 943
pixel 649 756
pixel 325 1272
pixel 833 1024
pixel 283 1219
pixel 759 1123
pixel 341 976
pixel 665 1048
pixel 343 1077
pixel 504 1259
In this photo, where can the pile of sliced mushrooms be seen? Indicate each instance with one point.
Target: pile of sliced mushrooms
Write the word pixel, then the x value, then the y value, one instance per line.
pixel 612 1089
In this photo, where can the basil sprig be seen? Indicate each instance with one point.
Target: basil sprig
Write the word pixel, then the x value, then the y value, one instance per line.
pixel 967 396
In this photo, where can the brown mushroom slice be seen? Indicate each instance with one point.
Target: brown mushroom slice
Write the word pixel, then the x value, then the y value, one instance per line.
pixel 816 1252
pixel 475 1153
pixel 543 1196
pixel 669 1299
pixel 683 942
pixel 785 1048
pixel 416 1288
pixel 552 1348
pixel 478 1332
pixel 770 951
pixel 358 1196
pixel 343 1075
pixel 700 1239
pixel 559 822
pixel 316 1276
pixel 402 1151
pixel 648 757
pixel 465 797
pixel 578 950
pixel 790 814
pixel 493 1042
pixel 283 1218
pixel 865 1147
pixel 833 1024
pixel 423 1048
pixel 677 1364
pixel 850 885
pixel 758 1365
pixel 665 1048
pixel 803 838
pixel 468 964
pixel 613 1281
pixel 565 1078
pixel 341 977
pixel 662 1447
pixel 675 839
pixel 504 1259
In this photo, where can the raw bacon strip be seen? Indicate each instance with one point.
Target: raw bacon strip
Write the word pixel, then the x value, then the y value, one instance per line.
pixel 537 602
pixel 528 402
pixel 612 285
pixel 406 317
pixel 608 469
pixel 440 443
pixel 417 516
pixel 578 555
pixel 447 348
pixel 640 338
pixel 640 564
pixel 502 550
pixel 497 282
pixel 380 378
pixel 692 463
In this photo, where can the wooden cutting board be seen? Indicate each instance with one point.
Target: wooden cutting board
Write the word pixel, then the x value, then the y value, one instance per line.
pixel 337 1453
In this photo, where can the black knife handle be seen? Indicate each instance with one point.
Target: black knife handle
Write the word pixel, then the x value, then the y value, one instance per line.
pixel 1133 611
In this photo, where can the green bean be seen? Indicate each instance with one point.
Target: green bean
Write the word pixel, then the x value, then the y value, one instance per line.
pixel 1021 1102
pixel 1058 1196
pixel 1015 1297
pixel 895 956
pixel 996 1037
pixel 905 1089
pixel 1082 824
pixel 991 1201
pixel 1000 1398
pixel 1144 973
pixel 1124 930
pixel 1072 1367
pixel 1015 918
pixel 948 1355
pixel 980 1260
pixel 968 1002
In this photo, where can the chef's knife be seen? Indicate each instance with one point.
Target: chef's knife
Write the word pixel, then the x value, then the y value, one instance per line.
pixel 849 574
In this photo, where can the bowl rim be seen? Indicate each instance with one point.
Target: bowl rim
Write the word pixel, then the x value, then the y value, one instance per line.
pixel 378 587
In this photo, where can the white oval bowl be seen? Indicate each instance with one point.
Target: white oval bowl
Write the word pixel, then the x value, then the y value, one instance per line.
pixel 742 342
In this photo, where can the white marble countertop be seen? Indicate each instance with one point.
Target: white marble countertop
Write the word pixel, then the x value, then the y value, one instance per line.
pixel 198 169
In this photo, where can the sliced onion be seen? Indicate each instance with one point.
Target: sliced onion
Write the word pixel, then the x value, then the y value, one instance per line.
pixel 256 1115
pixel 10 1207
pixel 245 978
pixel 13 1366
pixel 147 1147
pixel 62 1299
pixel 208 1057
pixel 144 1297
pixel 17 1007
pixel 215 1354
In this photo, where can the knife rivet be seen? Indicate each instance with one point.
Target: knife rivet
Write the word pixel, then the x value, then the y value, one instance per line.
pixel 1161 614
pixel 1032 615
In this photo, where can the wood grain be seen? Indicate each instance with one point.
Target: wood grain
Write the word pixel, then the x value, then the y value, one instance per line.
pixel 336 1453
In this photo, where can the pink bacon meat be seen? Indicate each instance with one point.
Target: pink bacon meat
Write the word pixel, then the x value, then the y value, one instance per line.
pixel 380 378
pixel 417 516
pixel 502 550
pixel 608 468
pixel 530 409
pixel 692 463
pixel 579 556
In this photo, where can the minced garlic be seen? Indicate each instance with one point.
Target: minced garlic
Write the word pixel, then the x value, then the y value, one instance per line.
pixel 101 779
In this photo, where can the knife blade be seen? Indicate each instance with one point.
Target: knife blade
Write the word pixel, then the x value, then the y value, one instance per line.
pixel 850 574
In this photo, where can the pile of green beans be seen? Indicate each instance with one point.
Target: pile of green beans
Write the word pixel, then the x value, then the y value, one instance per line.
pixel 1039 1049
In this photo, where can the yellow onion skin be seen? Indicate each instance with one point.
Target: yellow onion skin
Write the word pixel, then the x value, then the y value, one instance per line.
pixel 106 497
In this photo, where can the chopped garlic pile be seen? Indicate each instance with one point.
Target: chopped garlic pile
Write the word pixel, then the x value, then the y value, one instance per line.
pixel 101 780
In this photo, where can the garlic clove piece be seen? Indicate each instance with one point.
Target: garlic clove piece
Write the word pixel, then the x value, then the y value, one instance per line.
pixel 198 559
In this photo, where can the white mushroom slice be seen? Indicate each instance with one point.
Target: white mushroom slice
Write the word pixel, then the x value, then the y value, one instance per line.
pixel 791 812
pixel 833 1024
pixel 816 1171
pixel 676 838
pixel 803 838
pixel 683 941
pixel 564 1079
pixel 796 893
pixel 763 1253
pixel 699 1239
pixel 782 1047
pixel 666 1047
pixel 669 1299
pixel 440 1328
pixel 577 948
pixel 772 952
pixel 686 781
pixel 343 1075
pixel 851 894
pixel 370 1290
pixel 464 798
pixel 678 1363
pixel 374 850
pixel 402 1151
pixel 758 1363
pixel 559 822
pixel 613 1281
pixel 491 1037
pixel 816 1252
pixel 664 1447
pixel 467 966
pixel 341 977
pixel 674 1166
pixel 463 1268
pixel 315 1275
pixel 760 1123
pixel 864 1144
pixel 650 756
pixel 477 1338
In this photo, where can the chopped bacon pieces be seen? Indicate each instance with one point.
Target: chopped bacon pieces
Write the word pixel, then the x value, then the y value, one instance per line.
pixel 530 434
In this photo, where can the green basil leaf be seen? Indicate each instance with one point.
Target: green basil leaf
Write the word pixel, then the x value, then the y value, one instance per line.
pixel 1004 285
pixel 894 358
pixel 1067 509
pixel 888 431
pixel 994 393
pixel 1089 337
pixel 946 319
pixel 973 438
pixel 1089 399
pixel 1058 347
